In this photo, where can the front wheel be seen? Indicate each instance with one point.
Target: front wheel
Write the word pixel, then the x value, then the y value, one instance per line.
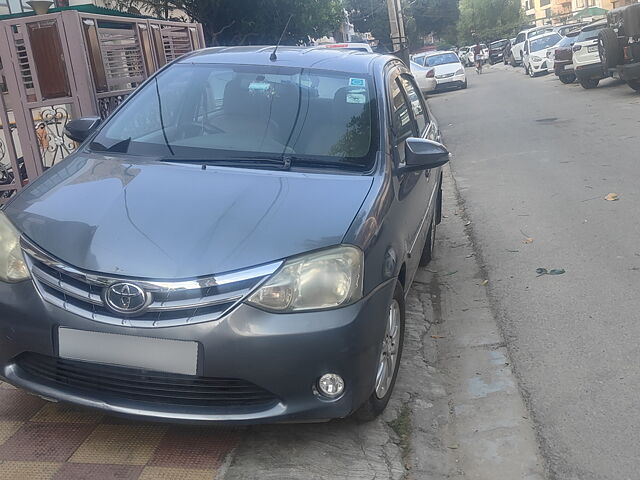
pixel 389 360
pixel 567 79
pixel 464 85
pixel 635 84
pixel 589 83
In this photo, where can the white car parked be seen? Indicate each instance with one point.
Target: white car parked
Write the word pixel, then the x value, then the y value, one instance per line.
pixel 587 65
pixel 518 46
pixel 425 77
pixel 534 58
pixel 448 68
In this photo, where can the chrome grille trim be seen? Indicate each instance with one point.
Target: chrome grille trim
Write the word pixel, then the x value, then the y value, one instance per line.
pixel 199 299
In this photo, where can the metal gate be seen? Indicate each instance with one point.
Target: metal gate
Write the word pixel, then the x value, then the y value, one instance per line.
pixel 65 65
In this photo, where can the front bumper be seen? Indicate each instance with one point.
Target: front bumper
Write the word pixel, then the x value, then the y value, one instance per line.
pixel 283 354
pixel 538 67
pixel 592 71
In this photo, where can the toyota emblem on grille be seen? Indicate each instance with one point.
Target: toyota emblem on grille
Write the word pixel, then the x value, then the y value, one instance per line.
pixel 126 298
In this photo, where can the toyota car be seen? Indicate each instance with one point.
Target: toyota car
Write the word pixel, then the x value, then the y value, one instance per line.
pixel 234 244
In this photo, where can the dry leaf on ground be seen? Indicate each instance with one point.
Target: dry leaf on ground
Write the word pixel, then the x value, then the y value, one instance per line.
pixel 527 240
pixel 612 197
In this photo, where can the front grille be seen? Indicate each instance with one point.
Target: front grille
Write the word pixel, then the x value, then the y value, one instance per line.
pixel 175 302
pixel 131 384
pixel 445 75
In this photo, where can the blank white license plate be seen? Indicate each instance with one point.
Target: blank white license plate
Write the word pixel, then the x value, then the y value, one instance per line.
pixel 592 48
pixel 158 354
pixel 567 67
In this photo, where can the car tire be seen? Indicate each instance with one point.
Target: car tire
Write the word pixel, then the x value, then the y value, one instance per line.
pixel 567 79
pixel 376 403
pixel 609 48
pixel 464 85
pixel 589 83
pixel 635 84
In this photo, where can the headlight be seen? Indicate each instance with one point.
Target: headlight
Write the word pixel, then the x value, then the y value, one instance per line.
pixel 12 266
pixel 536 59
pixel 460 71
pixel 325 279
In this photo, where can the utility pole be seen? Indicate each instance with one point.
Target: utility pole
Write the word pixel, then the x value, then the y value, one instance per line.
pixel 396 24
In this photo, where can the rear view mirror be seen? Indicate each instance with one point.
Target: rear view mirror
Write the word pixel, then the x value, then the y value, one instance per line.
pixel 78 130
pixel 423 154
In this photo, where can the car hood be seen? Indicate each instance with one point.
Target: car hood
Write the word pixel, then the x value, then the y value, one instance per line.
pixel 447 68
pixel 165 220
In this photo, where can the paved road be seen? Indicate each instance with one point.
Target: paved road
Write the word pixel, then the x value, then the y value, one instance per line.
pixel 534 159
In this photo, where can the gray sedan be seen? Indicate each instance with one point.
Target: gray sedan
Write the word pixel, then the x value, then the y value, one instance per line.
pixel 234 244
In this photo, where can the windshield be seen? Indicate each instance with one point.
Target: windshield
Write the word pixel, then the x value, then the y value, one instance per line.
pixel 498 45
pixel 229 111
pixel 588 34
pixel 545 42
pixel 443 59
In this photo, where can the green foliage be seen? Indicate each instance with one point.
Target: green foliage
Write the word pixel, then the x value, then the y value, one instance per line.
pixel 489 19
pixel 421 17
pixel 243 22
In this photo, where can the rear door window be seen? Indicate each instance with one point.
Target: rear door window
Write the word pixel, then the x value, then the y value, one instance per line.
pixel 416 101
pixel 401 116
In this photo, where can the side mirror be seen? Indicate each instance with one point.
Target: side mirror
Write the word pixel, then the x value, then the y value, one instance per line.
pixel 423 154
pixel 78 130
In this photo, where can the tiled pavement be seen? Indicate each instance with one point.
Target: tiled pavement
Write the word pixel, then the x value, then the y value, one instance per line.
pixel 52 441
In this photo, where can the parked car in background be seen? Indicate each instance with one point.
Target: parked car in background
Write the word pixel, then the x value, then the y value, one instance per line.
pixel 496 50
pixel 517 48
pixel 449 70
pixel 534 59
pixel 619 44
pixel 587 65
pixel 361 47
pixel 565 29
pixel 563 58
pixel 425 77
pixel 462 55
pixel 506 52
pixel 248 309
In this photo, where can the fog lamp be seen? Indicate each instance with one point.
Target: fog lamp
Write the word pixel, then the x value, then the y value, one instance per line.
pixel 331 385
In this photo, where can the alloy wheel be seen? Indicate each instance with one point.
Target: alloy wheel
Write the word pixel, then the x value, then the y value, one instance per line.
pixel 389 353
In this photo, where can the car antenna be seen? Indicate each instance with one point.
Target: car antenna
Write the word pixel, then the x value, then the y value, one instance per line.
pixel 273 57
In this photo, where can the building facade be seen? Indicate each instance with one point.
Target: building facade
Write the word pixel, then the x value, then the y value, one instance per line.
pixel 554 12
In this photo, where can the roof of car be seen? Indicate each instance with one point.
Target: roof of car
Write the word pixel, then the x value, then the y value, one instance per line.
pixel 548 34
pixel 302 57
pixel 594 25
pixel 436 52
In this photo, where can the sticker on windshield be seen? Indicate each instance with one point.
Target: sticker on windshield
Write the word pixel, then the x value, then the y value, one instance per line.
pixel 259 86
pixel 356 98
pixel 357 82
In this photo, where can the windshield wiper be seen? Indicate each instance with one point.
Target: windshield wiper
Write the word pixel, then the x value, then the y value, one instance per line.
pixel 235 161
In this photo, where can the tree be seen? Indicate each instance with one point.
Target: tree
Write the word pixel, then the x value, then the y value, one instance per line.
pixel 421 17
pixel 489 19
pixel 243 22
